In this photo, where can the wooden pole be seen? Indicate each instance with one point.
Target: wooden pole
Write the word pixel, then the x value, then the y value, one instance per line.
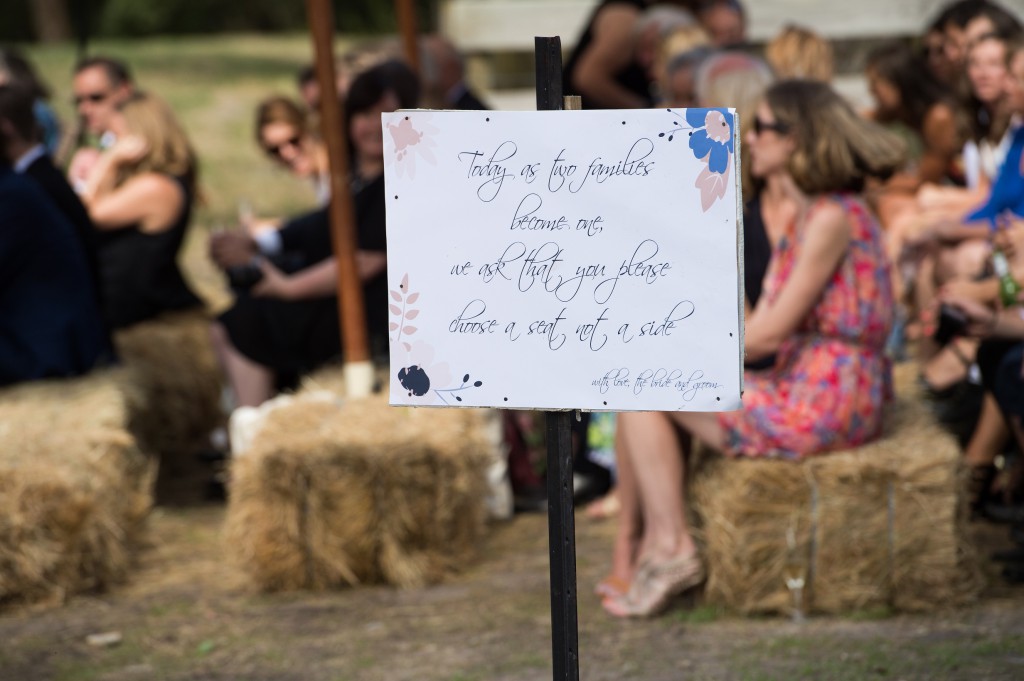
pixel 408 30
pixel 561 518
pixel 351 310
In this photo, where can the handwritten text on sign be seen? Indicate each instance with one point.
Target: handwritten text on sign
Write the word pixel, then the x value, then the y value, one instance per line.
pixel 564 260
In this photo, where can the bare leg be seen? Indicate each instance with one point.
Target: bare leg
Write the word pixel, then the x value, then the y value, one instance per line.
pixel 653 444
pixel 252 383
pixel 989 435
pixel 668 562
pixel 630 522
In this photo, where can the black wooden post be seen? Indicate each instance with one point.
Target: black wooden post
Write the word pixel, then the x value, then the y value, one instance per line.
pixel 561 521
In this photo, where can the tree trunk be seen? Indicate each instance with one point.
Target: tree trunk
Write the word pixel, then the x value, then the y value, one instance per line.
pixel 50 19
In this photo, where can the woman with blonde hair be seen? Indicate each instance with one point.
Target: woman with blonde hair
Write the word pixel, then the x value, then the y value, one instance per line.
pixel 825 314
pixel 139 196
pixel 798 52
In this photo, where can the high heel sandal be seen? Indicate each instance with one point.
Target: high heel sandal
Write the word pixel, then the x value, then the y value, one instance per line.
pixel 612 587
pixel 655 585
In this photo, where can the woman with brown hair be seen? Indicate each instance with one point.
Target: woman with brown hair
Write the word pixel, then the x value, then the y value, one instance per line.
pixel 825 313
pixel 284 134
pixel 140 195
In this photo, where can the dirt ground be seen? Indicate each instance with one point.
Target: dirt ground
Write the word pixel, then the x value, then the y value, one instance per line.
pixel 188 614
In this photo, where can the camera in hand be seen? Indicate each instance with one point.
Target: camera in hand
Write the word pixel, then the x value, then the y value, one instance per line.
pixel 952 323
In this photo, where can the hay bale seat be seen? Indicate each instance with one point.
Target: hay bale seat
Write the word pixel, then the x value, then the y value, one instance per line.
pixel 335 493
pixel 177 378
pixel 876 526
pixel 75 488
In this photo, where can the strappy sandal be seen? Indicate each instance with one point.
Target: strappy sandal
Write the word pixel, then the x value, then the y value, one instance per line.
pixel 655 585
pixel 612 587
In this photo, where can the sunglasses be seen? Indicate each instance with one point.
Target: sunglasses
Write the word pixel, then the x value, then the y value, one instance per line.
pixel 761 126
pixel 94 97
pixel 275 150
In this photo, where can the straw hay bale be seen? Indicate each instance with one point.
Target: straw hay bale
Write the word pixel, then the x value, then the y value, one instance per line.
pixel 74 487
pixel 177 378
pixel 334 494
pixel 879 525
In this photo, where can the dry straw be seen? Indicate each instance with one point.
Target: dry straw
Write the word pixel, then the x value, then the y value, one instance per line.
pixel 74 487
pixel 877 526
pixel 334 494
pixel 177 379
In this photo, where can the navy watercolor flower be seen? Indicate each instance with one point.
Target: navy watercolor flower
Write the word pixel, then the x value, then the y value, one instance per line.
pixel 711 136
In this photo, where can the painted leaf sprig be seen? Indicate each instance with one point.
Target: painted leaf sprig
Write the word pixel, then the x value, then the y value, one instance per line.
pixel 402 312
pixel 451 392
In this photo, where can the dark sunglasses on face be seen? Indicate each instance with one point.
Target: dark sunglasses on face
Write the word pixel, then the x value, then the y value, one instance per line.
pixel 275 150
pixel 761 126
pixel 94 97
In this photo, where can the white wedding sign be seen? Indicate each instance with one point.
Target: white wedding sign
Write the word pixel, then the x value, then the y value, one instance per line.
pixel 564 259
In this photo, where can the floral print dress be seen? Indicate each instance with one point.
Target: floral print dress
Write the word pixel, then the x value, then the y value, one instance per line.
pixel 831 378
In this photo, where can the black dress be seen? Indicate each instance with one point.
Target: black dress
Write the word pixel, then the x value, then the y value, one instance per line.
pixel 633 77
pixel 757 254
pixel 139 275
pixel 293 337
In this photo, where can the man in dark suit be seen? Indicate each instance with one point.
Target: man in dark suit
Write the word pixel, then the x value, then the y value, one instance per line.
pixel 50 325
pixel 22 148
pixel 443 76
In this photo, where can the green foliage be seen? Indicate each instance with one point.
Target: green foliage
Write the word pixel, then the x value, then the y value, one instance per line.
pixel 143 18
pixel 137 17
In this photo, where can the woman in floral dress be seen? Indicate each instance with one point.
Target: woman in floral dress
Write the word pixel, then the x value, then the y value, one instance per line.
pixel 825 314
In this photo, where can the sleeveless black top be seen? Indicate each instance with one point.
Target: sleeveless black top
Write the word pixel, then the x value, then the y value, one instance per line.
pixel 139 275
pixel 633 77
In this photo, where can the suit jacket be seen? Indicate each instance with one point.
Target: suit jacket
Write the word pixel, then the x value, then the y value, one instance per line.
pixel 468 101
pixel 50 324
pixel 56 187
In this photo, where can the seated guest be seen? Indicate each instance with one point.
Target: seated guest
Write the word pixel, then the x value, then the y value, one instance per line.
pixel 288 324
pixel 602 68
pixel 725 21
pixel 443 73
pixel 909 98
pixel 50 325
pixel 16 70
pixel 798 52
pixel 100 85
pixel 285 135
pixel 955 246
pixel 825 313
pixel 21 146
pixel 736 79
pixel 139 196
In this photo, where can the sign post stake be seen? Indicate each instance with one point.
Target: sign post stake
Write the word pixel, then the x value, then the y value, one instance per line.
pixel 561 520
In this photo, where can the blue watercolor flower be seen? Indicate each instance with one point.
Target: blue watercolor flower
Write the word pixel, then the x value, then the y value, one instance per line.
pixel 711 136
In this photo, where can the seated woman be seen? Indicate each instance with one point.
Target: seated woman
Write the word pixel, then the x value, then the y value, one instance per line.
pixel 825 313
pixel 139 196
pixel 288 324
pixel 283 132
pixel 955 248
pixel 919 107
